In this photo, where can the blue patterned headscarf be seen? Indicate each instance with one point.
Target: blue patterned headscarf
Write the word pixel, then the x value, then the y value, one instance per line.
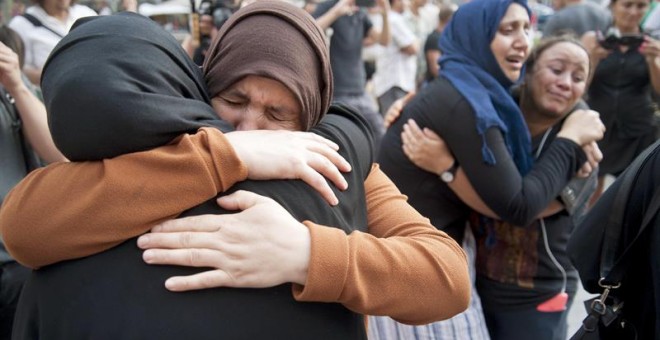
pixel 469 64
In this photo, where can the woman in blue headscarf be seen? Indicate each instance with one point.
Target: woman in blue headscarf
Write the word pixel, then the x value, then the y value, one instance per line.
pixel 471 108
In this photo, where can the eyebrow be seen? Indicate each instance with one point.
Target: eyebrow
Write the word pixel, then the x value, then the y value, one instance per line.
pixel 565 61
pixel 232 91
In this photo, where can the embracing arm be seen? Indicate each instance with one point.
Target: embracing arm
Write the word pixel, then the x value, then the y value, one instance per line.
pixel 520 199
pixel 101 198
pixel 123 197
pixel 356 270
pixel 514 198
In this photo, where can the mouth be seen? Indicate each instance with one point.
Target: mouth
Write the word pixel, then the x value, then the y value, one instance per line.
pixel 558 97
pixel 515 61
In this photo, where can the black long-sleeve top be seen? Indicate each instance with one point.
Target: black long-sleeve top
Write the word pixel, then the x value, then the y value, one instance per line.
pixel 514 198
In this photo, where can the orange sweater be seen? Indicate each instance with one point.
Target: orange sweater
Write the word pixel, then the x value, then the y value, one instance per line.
pixel 403 267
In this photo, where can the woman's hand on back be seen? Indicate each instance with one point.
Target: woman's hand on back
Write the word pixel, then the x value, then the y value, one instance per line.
pixel 261 246
pixel 425 148
pixel 394 111
pixel 280 154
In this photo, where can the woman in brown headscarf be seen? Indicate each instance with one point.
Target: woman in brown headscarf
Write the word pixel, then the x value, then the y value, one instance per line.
pixel 263 246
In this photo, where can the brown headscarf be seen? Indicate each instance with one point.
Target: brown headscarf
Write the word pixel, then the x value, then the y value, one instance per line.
pixel 277 40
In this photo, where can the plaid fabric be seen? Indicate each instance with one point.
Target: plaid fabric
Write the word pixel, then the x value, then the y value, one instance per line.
pixel 469 325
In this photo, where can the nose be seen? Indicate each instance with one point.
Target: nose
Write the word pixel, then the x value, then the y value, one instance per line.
pixel 564 81
pixel 250 120
pixel 246 125
pixel 522 40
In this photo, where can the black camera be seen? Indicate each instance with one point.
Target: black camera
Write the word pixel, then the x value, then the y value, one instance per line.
pixel 614 40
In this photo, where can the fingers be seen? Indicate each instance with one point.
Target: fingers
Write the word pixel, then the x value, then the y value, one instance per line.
pixel 412 128
pixel 393 113
pixel 178 240
pixel 204 280
pixel 333 156
pixel 585 170
pixel 596 153
pixel 241 200
pixel 325 166
pixel 410 137
pixel 323 140
pixel 594 156
pixel 432 135
pixel 317 181
pixel 183 257
pixel 206 223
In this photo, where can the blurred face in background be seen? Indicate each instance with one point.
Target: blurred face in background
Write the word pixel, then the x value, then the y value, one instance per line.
pixel 59 5
pixel 628 14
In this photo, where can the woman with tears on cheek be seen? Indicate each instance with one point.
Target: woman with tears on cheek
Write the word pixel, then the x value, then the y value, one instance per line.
pixel 376 238
pixel 520 276
pixel 470 106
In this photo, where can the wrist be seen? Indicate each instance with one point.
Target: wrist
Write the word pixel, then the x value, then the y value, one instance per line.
pixel 569 136
pixel 17 89
pixel 301 255
pixel 449 174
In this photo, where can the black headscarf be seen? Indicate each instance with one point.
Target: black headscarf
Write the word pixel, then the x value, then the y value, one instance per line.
pixel 127 86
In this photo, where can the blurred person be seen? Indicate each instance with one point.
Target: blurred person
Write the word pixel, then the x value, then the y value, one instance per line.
pixel 104 8
pixel 577 17
pixel 627 74
pixel 128 6
pixel 212 16
pixel 350 26
pixel 488 137
pixel 422 18
pixel 432 51
pixel 41 27
pixel 525 270
pixel 24 143
pixel 407 232
pixel 396 62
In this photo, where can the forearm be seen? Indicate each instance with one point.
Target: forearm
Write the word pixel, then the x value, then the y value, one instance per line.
pixel 113 200
pixel 327 19
pixel 384 34
pixel 432 62
pixel 514 198
pixel 364 271
pixel 35 124
pixel 464 190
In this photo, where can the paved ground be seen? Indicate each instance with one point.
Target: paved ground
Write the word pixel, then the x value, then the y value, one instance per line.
pixel 577 313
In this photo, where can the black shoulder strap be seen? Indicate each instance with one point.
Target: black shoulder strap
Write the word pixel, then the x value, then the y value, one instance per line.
pixel 621 263
pixel 37 23
pixel 612 266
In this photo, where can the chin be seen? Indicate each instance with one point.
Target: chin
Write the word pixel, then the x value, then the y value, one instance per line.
pixel 513 76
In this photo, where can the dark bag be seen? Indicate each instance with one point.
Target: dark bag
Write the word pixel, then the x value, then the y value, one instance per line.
pixel 605 319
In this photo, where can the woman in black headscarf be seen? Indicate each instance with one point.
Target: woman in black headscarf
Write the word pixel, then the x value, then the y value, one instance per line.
pixel 241 313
